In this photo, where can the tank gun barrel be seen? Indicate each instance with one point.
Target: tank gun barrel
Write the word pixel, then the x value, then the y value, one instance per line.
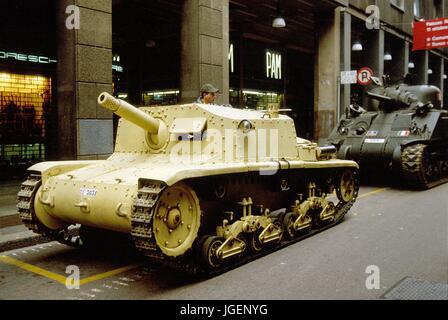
pixel 129 112
pixel 379 97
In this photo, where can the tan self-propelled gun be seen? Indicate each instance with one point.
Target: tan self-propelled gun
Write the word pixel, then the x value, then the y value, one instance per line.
pixel 200 187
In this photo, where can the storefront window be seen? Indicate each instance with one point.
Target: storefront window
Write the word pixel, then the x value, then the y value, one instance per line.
pixel 255 99
pixel 25 112
pixel 161 98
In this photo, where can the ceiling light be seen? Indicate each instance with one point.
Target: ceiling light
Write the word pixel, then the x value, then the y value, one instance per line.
pixel 150 44
pixel 387 57
pixel 411 65
pixel 278 22
pixel 357 47
pixel 445 76
pixel 429 71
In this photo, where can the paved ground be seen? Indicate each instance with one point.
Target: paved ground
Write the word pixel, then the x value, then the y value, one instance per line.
pixel 399 233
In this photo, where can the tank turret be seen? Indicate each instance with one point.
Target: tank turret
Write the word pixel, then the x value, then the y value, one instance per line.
pixel 403 96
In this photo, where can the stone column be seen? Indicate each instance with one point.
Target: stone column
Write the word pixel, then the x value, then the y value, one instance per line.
pixel 374 59
pixel 398 67
pixel 84 71
pixel 443 83
pixel 327 74
pixel 205 48
pixel 345 58
pixel 421 66
pixel 436 78
pixel 375 52
pixel 406 57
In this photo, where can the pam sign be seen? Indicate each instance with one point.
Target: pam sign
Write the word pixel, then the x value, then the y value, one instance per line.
pixel 273 65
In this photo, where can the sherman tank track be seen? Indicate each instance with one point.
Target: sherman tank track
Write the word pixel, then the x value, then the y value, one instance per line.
pixel 144 240
pixel 25 207
pixel 420 170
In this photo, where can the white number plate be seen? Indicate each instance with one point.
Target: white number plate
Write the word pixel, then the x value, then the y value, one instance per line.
pixel 374 141
pixel 88 192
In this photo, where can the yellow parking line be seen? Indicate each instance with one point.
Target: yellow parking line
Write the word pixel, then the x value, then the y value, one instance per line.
pixel 62 279
pixel 372 193
pixel 110 273
pixel 28 267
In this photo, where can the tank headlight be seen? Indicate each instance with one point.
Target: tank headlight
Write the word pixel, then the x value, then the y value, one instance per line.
pixel 245 126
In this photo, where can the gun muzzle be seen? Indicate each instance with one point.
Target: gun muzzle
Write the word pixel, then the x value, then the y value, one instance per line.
pixel 129 112
pixel 157 129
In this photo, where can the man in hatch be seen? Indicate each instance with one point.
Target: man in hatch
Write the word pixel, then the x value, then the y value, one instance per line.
pixel 208 94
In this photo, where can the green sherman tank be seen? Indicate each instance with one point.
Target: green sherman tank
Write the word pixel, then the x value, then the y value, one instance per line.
pixel 405 133
pixel 202 188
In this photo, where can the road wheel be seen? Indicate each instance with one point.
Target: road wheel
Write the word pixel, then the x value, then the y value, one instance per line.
pixel 255 245
pixel 288 225
pixel 209 249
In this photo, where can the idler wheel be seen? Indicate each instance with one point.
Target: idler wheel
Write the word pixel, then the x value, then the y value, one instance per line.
pixel 176 221
pixel 444 170
pixel 433 170
pixel 346 188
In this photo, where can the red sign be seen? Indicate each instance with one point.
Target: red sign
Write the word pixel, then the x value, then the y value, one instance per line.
pixel 430 34
pixel 365 76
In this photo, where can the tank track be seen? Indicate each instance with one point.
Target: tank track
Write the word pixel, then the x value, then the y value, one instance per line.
pixel 141 218
pixel 25 207
pixel 145 242
pixel 413 168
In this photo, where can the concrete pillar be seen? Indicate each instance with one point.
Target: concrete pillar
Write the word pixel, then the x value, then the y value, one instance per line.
pixel 406 57
pixel 327 74
pixel 436 78
pixel 398 67
pixel 443 82
pixel 375 52
pixel 84 71
pixel 205 48
pixel 345 58
pixel 421 66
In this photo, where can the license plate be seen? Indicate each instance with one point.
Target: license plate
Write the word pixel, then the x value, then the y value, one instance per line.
pixel 88 192
pixel 378 141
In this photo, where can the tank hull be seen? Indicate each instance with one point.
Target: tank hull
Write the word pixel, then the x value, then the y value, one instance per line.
pixel 97 195
pixel 380 142
pixel 71 198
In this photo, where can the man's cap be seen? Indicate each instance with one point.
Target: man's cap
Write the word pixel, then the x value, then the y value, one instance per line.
pixel 209 88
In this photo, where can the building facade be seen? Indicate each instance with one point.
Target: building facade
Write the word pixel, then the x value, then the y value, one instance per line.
pixel 57 56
